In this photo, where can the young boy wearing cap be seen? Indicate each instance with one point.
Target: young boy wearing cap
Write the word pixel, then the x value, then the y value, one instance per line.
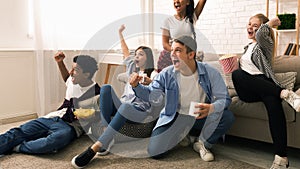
pixel 184 82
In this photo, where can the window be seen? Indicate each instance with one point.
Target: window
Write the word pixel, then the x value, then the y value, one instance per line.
pixel 69 24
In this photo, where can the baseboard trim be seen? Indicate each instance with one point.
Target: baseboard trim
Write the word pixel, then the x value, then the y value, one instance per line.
pixel 7 120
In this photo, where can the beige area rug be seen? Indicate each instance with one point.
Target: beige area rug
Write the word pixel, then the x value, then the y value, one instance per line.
pixel 180 157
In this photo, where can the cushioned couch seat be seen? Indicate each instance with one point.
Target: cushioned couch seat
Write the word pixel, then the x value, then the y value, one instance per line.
pixel 246 110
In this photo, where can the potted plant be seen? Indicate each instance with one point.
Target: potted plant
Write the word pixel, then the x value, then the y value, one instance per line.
pixel 287 21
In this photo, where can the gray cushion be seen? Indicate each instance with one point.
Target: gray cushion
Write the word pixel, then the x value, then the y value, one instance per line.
pixel 122 77
pixel 287 79
pixel 226 77
pixel 258 110
pixel 288 64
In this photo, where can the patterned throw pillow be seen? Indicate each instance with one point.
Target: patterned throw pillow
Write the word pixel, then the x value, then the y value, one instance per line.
pixel 287 79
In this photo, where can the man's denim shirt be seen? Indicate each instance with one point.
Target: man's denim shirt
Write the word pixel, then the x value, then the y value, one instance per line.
pixel 166 84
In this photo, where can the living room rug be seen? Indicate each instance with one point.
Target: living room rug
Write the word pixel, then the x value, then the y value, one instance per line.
pixel 125 155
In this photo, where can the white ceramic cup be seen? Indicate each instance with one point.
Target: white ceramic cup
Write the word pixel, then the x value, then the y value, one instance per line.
pixel 193 109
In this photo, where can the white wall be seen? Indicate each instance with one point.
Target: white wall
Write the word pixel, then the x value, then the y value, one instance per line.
pixel 14 25
pixel 222 24
pixel 17 83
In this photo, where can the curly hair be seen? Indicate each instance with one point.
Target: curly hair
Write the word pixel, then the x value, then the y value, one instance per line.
pixel 87 63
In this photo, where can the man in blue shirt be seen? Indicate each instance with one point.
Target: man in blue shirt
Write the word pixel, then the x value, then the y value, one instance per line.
pixel 180 84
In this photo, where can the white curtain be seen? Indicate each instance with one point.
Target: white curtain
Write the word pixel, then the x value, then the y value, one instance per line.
pixel 49 85
pixel 67 25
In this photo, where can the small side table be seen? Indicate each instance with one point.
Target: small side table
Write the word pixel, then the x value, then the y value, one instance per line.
pixel 109 66
pixel 111 59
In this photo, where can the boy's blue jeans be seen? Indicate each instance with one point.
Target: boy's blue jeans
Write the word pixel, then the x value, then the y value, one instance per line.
pixel 38 136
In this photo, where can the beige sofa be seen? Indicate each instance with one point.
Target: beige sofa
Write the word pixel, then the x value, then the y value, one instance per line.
pixel 251 118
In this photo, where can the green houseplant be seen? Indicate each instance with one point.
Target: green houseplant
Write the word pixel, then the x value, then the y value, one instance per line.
pixel 287 21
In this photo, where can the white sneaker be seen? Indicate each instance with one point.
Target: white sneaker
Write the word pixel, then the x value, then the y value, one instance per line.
pixel 205 154
pixel 279 162
pixel 292 98
pixel 103 151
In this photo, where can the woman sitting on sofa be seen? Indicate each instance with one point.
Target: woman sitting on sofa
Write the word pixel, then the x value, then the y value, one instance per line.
pixel 129 107
pixel 255 81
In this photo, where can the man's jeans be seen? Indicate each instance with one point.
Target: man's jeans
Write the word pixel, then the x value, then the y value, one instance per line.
pixel 42 135
pixel 165 137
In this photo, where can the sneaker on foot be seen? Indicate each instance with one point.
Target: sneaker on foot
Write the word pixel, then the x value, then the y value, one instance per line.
pixel 279 162
pixel 292 98
pixel 83 159
pixel 205 154
pixel 103 152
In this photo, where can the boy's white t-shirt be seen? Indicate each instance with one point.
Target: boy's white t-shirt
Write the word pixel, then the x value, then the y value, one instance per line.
pixel 190 90
pixel 72 91
pixel 75 90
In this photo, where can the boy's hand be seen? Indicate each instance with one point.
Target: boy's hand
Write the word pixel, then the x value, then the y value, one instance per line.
pixel 59 56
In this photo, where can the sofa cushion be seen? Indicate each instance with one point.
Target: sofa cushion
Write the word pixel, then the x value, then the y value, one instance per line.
pixel 232 92
pixel 228 81
pixel 226 77
pixel 258 110
pixel 123 77
pixel 287 79
pixel 286 63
